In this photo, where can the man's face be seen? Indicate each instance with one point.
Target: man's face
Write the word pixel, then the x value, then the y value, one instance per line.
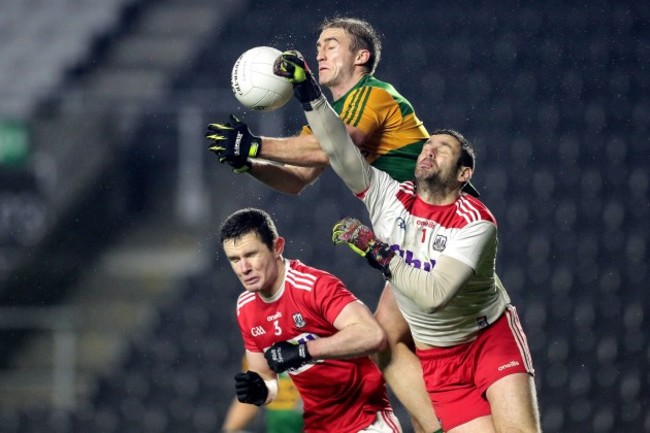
pixel 255 265
pixel 438 160
pixel 335 60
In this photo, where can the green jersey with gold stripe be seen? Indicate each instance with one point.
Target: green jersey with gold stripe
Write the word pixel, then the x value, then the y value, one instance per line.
pixel 394 134
pixel 284 414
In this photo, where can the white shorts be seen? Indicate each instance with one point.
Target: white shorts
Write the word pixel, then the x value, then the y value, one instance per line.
pixel 386 422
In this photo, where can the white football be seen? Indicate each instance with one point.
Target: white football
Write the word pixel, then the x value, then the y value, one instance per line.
pixel 253 81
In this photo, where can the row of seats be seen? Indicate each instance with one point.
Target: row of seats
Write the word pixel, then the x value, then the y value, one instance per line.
pixel 41 39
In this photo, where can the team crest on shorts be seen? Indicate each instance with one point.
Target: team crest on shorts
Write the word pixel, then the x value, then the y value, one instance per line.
pixel 298 320
pixel 440 243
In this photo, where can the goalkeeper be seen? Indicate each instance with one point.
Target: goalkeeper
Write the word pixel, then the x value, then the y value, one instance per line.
pixel 437 247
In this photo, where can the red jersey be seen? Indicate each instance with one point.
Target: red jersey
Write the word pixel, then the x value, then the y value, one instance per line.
pixel 340 395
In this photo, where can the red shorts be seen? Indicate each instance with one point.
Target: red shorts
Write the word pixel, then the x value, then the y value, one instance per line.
pixel 457 377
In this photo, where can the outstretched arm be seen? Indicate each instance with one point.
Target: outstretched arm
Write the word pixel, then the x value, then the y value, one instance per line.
pixel 289 179
pixel 301 161
pixel 344 157
pixel 296 161
pixel 302 150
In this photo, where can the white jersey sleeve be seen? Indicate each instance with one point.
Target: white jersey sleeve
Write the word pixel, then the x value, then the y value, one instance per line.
pixel 422 234
pixel 344 156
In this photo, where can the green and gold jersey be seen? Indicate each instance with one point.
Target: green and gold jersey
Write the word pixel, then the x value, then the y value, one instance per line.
pixel 284 414
pixel 394 134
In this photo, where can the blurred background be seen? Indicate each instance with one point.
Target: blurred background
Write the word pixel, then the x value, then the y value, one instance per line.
pixel 116 307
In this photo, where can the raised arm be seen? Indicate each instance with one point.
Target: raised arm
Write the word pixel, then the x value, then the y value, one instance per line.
pixel 286 164
pixel 302 150
pixel 235 144
pixel 330 131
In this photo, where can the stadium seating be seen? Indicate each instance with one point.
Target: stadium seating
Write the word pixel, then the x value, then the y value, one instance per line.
pixel 555 98
pixel 42 39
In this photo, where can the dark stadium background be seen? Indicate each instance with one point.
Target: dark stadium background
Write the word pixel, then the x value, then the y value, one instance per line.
pixel 116 308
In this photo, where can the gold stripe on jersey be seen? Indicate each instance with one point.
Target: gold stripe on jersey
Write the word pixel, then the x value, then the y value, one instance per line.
pixel 352 108
pixel 394 134
pixel 355 110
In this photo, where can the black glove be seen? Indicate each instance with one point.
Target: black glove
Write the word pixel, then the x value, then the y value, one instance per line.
pixel 363 241
pixel 233 143
pixel 251 388
pixel 285 355
pixel 291 65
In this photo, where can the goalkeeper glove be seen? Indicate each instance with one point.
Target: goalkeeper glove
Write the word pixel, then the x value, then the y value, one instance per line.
pixel 285 355
pixel 233 143
pixel 250 388
pixel 364 242
pixel 292 65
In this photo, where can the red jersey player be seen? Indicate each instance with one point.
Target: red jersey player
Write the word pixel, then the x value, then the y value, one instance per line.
pixel 303 320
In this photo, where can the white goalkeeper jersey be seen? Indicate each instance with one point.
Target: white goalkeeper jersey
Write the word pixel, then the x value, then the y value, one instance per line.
pixel 464 230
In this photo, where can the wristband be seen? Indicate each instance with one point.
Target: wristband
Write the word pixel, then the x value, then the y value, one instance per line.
pixel 272 386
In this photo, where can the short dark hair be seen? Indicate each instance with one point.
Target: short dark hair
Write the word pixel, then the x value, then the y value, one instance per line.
pixel 467 156
pixel 249 220
pixel 363 35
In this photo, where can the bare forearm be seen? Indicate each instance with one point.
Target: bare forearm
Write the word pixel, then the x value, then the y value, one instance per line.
pixel 239 416
pixel 301 151
pixel 284 178
pixel 354 341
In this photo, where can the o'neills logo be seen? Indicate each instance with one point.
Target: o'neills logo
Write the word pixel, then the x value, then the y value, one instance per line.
pixel 508 365
pixel 426 223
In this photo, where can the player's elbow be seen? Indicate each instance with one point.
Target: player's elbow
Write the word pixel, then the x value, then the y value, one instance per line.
pixel 428 308
pixel 431 305
pixel 293 189
pixel 301 179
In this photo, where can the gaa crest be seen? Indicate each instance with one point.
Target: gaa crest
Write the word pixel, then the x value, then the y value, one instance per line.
pixel 440 243
pixel 298 320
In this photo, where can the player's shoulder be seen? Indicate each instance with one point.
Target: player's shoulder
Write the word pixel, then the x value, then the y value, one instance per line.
pixel 470 209
pixel 372 81
pixel 370 87
pixel 244 299
pixel 384 89
pixel 304 277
